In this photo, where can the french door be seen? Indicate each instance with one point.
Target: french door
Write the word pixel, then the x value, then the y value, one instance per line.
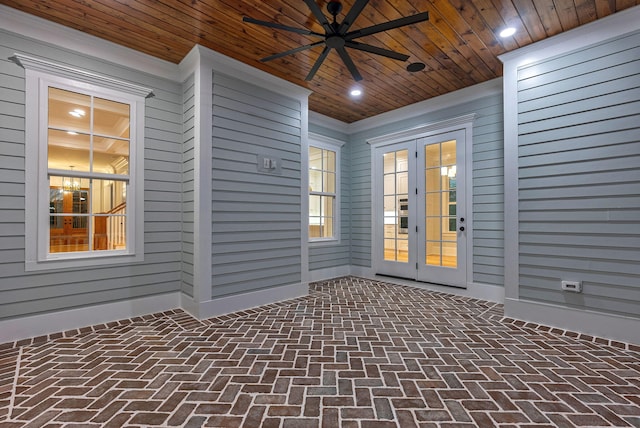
pixel 420 229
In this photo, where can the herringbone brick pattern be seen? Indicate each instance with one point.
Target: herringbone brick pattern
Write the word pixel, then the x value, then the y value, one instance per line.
pixel 354 353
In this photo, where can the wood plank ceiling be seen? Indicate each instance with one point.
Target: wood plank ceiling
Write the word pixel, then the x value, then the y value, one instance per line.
pixel 459 44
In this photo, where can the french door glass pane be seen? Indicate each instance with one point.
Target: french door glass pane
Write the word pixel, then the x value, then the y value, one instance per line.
pixel 395 190
pixel 440 199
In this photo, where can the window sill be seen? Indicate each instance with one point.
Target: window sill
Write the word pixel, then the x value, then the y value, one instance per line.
pixel 83 262
pixel 324 242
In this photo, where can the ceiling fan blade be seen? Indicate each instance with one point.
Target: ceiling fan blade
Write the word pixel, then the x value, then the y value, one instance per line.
pixel 318 63
pixel 322 19
pixel 349 63
pixel 378 51
pixel 355 10
pixel 292 51
pixel 401 22
pixel 281 27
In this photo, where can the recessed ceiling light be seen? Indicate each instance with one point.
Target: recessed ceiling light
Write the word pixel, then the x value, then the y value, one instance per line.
pixel 355 92
pixel 415 67
pixel 77 112
pixel 507 32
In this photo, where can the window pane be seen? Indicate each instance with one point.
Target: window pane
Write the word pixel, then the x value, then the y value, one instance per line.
pixel 69 111
pixel 68 151
pixel 434 253
pixel 390 205
pixel 389 161
pixel 433 178
pixel 329 182
pixel 110 118
pixel 66 189
pixel 402 250
pixel 402 160
pixel 403 182
pixel 314 205
pixel 109 232
pixel 315 158
pixel 328 227
pixel 110 155
pixel 390 249
pixel 433 204
pixel 389 184
pixel 432 155
pixel 449 153
pixel 69 238
pixel 329 162
pixel 314 227
pixel 108 197
pixel 315 180
pixel 327 206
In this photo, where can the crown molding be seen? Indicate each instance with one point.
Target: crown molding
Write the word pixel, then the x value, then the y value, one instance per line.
pixel 216 61
pixel 319 138
pixel 328 122
pixel 38 64
pixel 464 95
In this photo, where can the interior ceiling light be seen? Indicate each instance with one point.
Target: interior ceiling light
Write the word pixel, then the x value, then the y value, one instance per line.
pixel 507 32
pixel 77 112
pixel 337 35
pixel 355 92
pixel 415 67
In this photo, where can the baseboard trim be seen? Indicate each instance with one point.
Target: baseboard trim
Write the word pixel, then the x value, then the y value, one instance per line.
pixel 43 324
pixel 239 302
pixel 597 324
pixel 329 273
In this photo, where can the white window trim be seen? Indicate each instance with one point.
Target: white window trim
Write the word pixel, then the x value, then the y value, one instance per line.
pixel 327 143
pixel 39 74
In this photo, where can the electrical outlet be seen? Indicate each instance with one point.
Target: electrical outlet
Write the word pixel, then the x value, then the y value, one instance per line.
pixel 573 286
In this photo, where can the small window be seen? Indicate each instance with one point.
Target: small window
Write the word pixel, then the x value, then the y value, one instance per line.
pixel 324 159
pixel 84 138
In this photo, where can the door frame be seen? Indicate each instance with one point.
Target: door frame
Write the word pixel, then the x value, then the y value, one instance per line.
pixel 465 123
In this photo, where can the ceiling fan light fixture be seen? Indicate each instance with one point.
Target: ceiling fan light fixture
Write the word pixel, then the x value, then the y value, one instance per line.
pixel 355 92
pixel 507 32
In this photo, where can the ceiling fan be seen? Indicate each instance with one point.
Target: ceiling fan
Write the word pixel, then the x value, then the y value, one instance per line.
pixel 337 35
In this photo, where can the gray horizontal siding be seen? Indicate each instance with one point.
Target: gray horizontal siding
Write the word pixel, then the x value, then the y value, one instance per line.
pixel 188 188
pixel 27 293
pixel 487 173
pixel 579 177
pixel 256 238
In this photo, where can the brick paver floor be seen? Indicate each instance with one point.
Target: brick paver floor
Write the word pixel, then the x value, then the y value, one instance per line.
pixel 354 353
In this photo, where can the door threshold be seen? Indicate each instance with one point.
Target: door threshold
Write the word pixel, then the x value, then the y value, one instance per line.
pixel 417 281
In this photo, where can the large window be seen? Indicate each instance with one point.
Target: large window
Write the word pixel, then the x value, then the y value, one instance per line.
pixel 88 145
pixel 84 159
pixel 324 161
